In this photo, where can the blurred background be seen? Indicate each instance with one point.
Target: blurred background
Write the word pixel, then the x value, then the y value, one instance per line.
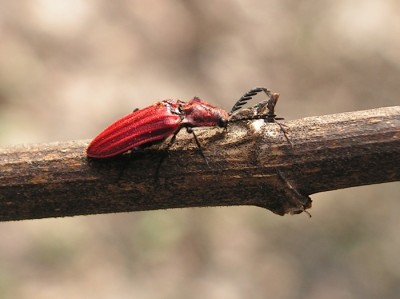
pixel 69 68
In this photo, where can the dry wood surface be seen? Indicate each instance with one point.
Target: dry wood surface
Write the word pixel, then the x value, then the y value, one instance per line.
pixel 251 163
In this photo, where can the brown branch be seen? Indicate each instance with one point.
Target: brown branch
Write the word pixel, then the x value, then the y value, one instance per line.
pixel 329 152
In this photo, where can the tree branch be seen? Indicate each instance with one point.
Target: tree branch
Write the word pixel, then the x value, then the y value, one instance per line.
pixel 250 164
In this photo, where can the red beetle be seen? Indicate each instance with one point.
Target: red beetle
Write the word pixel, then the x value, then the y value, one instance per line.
pixel 153 124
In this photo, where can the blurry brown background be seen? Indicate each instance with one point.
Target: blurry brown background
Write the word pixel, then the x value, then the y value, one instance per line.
pixel 69 68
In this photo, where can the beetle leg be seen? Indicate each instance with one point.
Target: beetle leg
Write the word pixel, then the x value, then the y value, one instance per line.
pixel 283 131
pixel 164 154
pixel 190 130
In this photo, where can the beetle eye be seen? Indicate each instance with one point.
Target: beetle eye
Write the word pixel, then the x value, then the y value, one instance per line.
pixel 222 122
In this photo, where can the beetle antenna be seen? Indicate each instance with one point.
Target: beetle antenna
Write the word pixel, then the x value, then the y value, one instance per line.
pixel 271 116
pixel 264 110
pixel 247 97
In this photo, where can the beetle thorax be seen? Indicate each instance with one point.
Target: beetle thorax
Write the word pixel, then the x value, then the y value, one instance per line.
pixel 199 113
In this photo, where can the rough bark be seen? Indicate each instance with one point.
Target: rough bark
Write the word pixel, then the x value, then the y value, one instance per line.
pixel 249 164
